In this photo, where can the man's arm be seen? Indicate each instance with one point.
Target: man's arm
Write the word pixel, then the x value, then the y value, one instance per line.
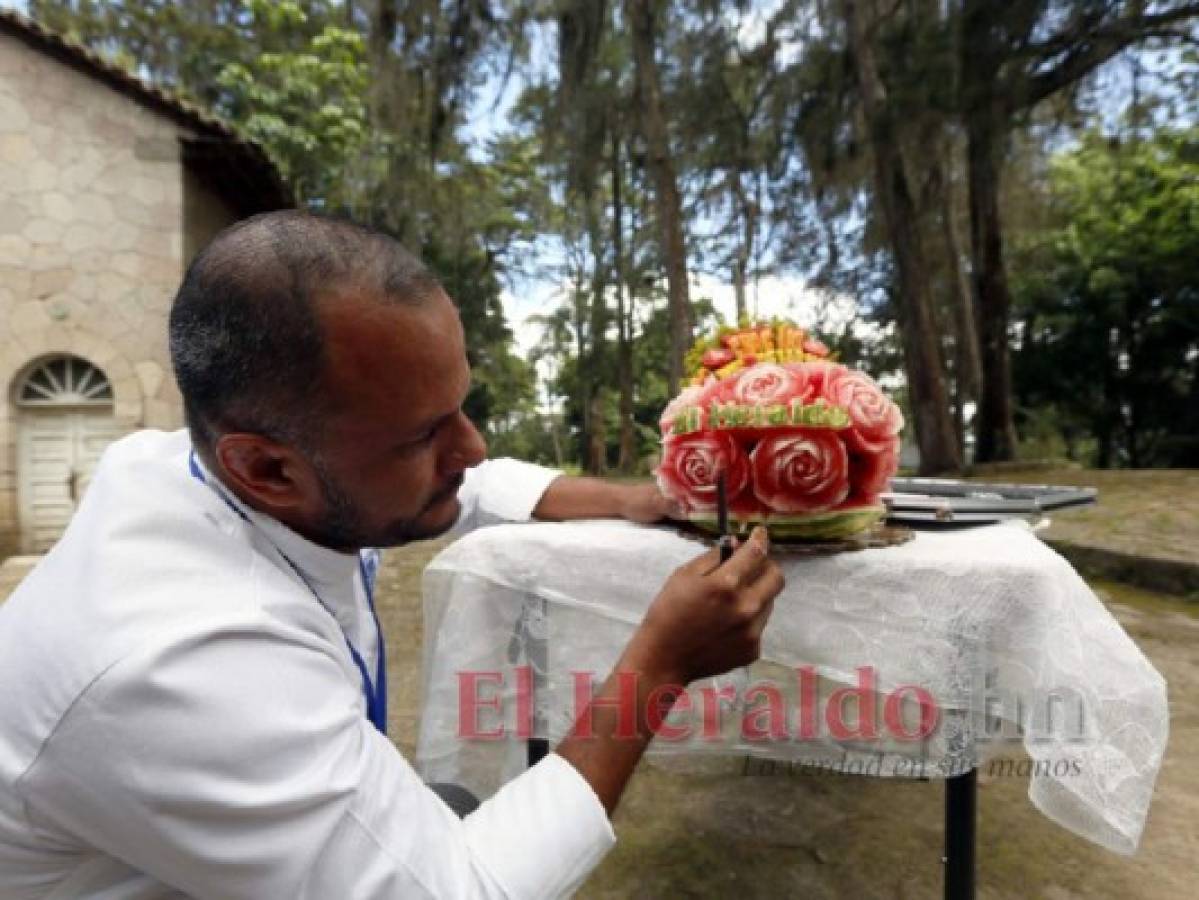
pixel 707 620
pixel 574 497
pixel 234 760
pixel 509 490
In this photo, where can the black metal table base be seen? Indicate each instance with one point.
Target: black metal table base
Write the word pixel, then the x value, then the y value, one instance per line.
pixel 538 749
pixel 961 814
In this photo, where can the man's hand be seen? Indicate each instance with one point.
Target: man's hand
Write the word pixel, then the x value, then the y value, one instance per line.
pixel 707 619
pixel 645 503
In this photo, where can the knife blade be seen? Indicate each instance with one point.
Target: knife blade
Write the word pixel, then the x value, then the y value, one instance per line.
pixel 725 541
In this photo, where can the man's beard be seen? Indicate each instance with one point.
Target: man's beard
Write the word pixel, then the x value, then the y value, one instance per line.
pixel 342 527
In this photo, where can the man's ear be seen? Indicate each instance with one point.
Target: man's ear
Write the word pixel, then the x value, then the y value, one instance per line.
pixel 267 474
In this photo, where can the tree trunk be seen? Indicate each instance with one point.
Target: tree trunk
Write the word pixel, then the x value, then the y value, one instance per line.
pixel 559 462
pixel 627 454
pixel 579 307
pixel 384 24
pixel 666 190
pixel 1191 422
pixel 922 357
pixel 597 451
pixel 1109 415
pixel 967 363
pixel 627 459
pixel 745 248
pixel 995 428
pixel 739 279
pixel 591 369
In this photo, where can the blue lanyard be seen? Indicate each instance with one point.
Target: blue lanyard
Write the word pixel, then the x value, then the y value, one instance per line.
pixel 376 690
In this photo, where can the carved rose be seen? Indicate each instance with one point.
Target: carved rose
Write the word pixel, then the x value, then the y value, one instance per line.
pixel 870 473
pixel 768 383
pixel 691 463
pixel 801 472
pixel 874 419
pixel 814 375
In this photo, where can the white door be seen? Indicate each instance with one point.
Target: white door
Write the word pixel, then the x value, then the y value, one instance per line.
pixel 64 426
pixel 57 455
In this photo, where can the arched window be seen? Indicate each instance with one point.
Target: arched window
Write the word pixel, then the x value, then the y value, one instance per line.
pixel 65 381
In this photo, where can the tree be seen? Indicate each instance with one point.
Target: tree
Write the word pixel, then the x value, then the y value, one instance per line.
pixel 627 449
pixel 186 46
pixel 587 90
pixel 288 74
pixel 958 291
pixel 643 17
pixel 892 189
pixel 1109 299
pixel 1011 57
pixel 307 106
pixel 730 122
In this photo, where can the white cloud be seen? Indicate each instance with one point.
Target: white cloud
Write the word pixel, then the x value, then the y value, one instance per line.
pixel 750 26
pixel 785 297
pixel 543 298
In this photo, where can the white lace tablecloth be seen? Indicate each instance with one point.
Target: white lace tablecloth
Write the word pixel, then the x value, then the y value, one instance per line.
pixel 1013 647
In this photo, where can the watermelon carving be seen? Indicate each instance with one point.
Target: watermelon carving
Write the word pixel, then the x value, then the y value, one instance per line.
pixel 807 445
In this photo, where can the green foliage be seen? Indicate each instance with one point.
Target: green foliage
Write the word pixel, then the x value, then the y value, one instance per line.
pixel 502 382
pixel 1109 300
pixel 307 106
pixel 186 46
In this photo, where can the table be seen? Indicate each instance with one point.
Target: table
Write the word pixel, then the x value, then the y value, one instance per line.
pixel 1012 648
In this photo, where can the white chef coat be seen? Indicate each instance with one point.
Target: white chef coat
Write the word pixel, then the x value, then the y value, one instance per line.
pixel 179 716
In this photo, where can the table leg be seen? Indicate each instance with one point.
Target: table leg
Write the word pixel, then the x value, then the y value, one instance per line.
pixel 536 644
pixel 538 749
pixel 961 796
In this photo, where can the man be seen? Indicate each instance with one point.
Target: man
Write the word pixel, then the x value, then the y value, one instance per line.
pixel 194 696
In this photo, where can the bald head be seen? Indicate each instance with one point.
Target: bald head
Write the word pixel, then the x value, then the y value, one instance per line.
pixel 246 337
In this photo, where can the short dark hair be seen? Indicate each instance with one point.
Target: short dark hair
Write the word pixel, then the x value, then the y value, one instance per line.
pixel 246 342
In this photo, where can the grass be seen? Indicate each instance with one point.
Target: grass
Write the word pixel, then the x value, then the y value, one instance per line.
pixel 1145 512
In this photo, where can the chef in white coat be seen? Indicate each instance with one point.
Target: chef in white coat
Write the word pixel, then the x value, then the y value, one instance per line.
pixel 192 682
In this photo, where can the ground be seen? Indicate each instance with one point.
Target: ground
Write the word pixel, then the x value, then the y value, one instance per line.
pixel 1147 512
pixel 722 834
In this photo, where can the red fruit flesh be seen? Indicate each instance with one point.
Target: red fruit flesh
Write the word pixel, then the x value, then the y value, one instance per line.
pixel 716 359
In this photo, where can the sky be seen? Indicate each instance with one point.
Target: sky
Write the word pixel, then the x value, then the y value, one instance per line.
pixel 787 296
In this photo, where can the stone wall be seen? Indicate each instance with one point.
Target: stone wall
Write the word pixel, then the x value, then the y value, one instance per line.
pixel 91 241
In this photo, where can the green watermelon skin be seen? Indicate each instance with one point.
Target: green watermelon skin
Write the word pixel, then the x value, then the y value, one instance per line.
pixel 825 526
